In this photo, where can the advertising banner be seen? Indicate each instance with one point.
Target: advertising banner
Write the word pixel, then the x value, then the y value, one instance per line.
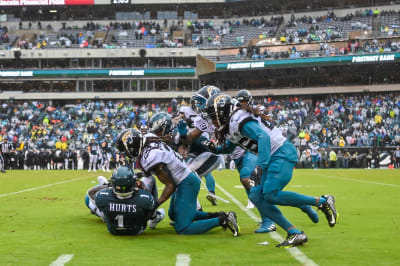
pixel 47 2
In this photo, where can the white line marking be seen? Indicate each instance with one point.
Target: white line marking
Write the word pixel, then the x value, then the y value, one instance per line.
pixel 62 259
pixel 359 181
pixel 295 252
pixel 182 260
pixel 36 188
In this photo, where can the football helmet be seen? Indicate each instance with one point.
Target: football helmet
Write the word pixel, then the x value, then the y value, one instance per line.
pixel 218 109
pixel 144 129
pixel 123 182
pixel 199 99
pixel 161 124
pixel 131 142
pixel 244 96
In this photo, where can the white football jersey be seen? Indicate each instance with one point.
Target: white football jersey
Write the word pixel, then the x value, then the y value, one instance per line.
pixel 189 113
pixel 203 124
pixel 159 152
pixel 239 118
pixel 314 149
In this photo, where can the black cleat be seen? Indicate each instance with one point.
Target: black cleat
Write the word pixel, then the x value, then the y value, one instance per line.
pixel 329 209
pixel 229 220
pixel 211 198
pixel 293 240
pixel 3 171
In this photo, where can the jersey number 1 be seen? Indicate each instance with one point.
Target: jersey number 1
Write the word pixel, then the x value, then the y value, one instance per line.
pixel 120 219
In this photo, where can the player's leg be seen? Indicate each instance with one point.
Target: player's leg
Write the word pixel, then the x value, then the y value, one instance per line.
pixel 279 174
pixel 90 202
pixel 2 164
pixel 295 236
pixel 210 183
pixel 246 165
pixel 185 208
pixel 108 162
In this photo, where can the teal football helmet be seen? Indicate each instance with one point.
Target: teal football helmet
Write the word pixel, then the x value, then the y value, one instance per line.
pixel 123 182
pixel 198 101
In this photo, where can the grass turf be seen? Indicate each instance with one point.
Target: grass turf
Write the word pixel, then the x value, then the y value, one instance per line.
pixel 37 226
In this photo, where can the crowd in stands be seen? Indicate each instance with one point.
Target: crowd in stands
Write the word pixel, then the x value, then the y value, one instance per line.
pixel 36 125
pixel 340 121
pixel 354 121
pixel 336 122
pixel 288 113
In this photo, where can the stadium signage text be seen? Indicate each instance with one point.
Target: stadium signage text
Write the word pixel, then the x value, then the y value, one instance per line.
pixel 247 65
pixel 119 2
pixel 16 74
pixel 98 73
pixel 373 58
pixel 44 2
pixel 126 73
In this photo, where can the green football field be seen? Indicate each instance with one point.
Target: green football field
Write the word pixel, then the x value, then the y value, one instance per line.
pixel 43 217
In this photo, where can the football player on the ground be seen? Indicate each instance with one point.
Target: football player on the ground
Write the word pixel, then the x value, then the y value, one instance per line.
pixel 124 207
pixel 276 156
pixel 147 183
pixel 200 131
pixel 156 157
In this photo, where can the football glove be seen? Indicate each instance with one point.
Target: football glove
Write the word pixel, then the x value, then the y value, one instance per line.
pixel 182 127
pixel 209 145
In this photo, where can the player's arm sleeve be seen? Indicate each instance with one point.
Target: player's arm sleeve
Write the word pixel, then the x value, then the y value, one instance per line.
pixel 164 175
pixel 253 130
pixel 191 137
pixel 149 202
pixel 225 148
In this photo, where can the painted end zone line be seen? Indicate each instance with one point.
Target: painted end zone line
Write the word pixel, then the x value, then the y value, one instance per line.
pixel 182 260
pixel 295 252
pixel 62 259
pixel 36 188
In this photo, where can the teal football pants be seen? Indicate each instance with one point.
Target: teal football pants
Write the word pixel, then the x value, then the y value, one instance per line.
pixel 188 221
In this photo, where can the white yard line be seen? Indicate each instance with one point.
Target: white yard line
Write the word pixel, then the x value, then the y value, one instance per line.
pixel 356 180
pixel 62 259
pixel 295 252
pixel 36 188
pixel 182 260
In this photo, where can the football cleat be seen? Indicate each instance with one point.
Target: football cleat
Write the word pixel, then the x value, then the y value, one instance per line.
pixel 293 240
pixel 3 171
pixel 250 204
pixel 102 180
pixel 329 209
pixel 266 226
pixel 229 220
pixel 160 214
pixel 211 198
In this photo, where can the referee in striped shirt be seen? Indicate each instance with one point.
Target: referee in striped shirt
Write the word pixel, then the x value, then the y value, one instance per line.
pixel 6 149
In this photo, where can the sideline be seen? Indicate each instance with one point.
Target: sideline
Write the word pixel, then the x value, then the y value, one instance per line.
pixel 295 252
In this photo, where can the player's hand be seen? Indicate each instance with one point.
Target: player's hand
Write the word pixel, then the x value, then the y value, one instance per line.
pixel 252 183
pixel 140 174
pixel 140 184
pixel 182 127
pixel 209 145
